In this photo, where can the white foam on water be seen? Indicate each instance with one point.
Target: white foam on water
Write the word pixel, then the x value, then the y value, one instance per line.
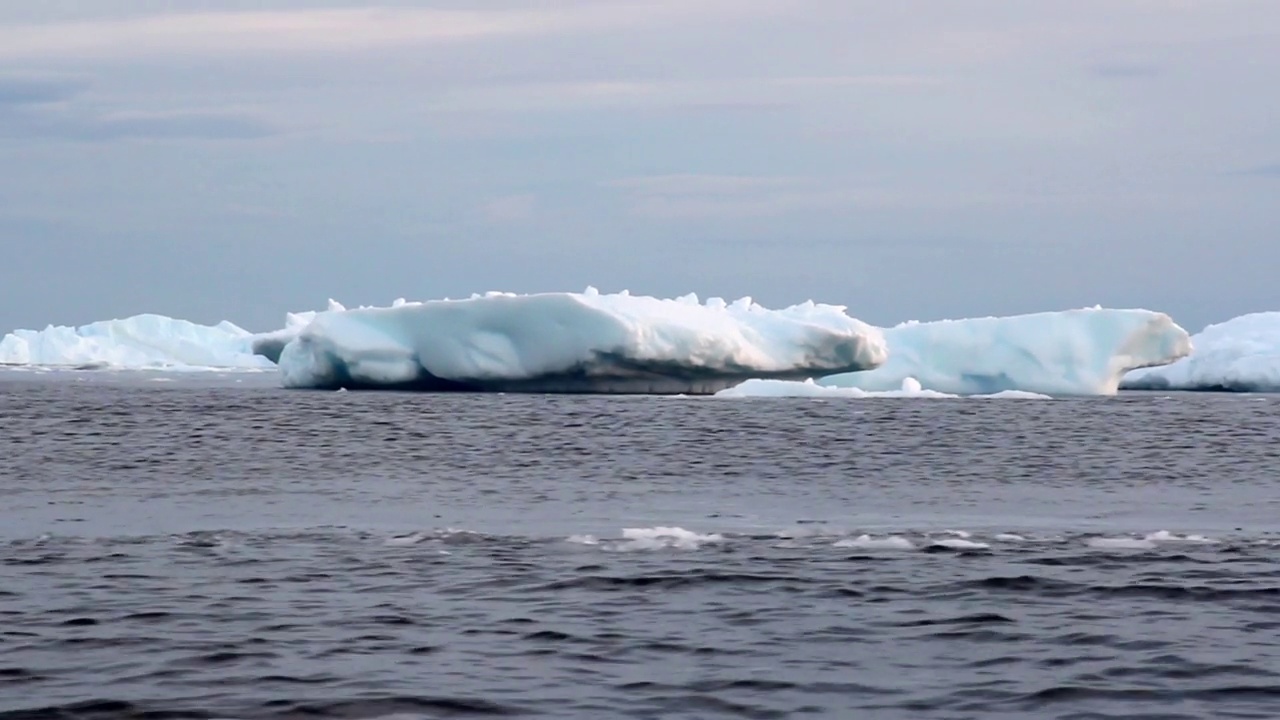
pixel 650 538
pixel 956 543
pixel 657 538
pixel 1151 541
pixel 1120 543
pixel 1164 536
pixel 814 530
pixel 867 542
pixel 405 540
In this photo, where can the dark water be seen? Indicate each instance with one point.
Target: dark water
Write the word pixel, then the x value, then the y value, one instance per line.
pixel 214 548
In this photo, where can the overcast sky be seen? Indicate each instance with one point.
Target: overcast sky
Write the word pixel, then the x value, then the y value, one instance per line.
pixel 913 159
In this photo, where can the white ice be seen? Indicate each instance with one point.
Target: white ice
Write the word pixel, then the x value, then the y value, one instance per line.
pixel 592 341
pixel 138 342
pixel 271 344
pixel 1074 352
pixel 572 342
pixel 1241 355
pixel 756 388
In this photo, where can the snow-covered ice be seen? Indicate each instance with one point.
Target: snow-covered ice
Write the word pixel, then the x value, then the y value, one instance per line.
pixel 590 341
pixel 1073 352
pixel 271 344
pixel 1239 355
pixel 549 342
pixel 139 342
pixel 575 342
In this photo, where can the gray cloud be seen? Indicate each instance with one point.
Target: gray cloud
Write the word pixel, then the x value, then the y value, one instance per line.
pixel 312 30
pixel 913 159
pixel 175 125
pixel 1271 171
pixel 1125 70
pixel 18 90
pixel 33 107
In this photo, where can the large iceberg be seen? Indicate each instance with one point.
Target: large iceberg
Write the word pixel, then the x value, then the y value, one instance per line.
pixel 1239 355
pixel 139 342
pixel 1075 352
pixel 572 342
pixel 591 342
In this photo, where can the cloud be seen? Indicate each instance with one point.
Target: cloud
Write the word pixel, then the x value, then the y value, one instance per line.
pixel 510 208
pixel 340 29
pixel 1270 171
pixel 18 90
pixel 740 93
pixel 695 196
pixel 681 197
pixel 55 108
pixel 207 125
pixel 1124 70
pixel 694 184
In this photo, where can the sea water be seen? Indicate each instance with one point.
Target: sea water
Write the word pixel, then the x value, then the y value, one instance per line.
pixel 203 546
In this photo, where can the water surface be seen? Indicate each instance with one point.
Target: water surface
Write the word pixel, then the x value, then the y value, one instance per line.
pixel 212 546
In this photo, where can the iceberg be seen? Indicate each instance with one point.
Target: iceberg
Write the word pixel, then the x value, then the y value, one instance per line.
pixel 594 342
pixel 1239 355
pixel 571 342
pixel 271 344
pixel 139 342
pixel 1073 352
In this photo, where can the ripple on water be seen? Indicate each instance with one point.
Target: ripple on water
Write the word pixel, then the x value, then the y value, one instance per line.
pixel 176 553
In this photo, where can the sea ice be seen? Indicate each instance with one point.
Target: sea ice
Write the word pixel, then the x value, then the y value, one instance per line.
pixel 572 342
pixel 138 342
pixel 271 344
pixel 756 388
pixel 1239 355
pixel 1074 352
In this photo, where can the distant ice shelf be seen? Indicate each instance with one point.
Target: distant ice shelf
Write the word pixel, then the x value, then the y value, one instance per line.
pixel 143 342
pixel 1239 355
pixel 572 342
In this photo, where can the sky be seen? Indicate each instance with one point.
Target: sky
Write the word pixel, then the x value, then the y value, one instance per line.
pixel 214 160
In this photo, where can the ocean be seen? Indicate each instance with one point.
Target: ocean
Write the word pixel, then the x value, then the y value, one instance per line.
pixel 210 546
